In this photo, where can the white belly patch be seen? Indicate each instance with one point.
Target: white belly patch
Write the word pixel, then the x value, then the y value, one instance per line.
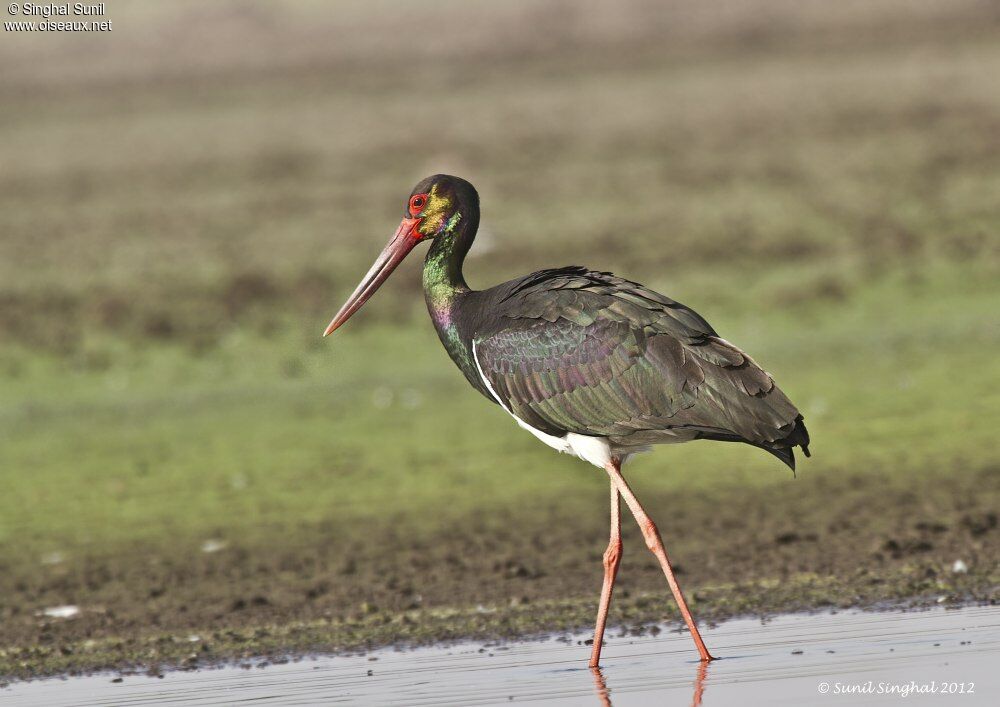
pixel 595 450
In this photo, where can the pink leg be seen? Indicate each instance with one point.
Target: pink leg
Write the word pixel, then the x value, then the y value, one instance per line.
pixel 655 544
pixel 612 558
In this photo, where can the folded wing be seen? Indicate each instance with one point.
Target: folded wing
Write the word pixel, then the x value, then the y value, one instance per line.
pixel 573 350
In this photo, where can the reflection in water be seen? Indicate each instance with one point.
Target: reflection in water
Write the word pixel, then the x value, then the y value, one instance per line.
pixel 604 696
pixel 601 687
pixel 699 683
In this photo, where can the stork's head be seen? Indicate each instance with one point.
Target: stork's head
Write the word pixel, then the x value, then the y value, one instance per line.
pixel 439 207
pixel 437 202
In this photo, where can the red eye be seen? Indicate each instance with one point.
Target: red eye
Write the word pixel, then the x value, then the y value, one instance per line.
pixel 417 203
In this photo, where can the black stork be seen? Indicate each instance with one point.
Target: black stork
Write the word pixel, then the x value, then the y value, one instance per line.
pixel 592 364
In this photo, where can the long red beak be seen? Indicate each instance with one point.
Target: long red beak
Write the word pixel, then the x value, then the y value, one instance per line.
pixel 406 237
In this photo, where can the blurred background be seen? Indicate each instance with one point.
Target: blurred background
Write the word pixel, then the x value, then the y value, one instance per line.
pixel 186 201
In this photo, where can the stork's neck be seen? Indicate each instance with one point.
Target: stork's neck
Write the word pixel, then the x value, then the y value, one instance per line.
pixel 445 288
pixel 443 279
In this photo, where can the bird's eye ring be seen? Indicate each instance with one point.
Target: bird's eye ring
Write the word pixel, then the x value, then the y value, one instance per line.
pixel 417 203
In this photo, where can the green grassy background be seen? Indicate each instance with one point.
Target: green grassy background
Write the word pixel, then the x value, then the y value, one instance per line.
pixel 266 432
pixel 184 205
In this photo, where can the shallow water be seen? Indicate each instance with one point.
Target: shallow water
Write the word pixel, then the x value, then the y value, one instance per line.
pixel 787 660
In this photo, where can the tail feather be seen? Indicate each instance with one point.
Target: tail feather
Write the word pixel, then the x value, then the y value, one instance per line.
pixel 783 448
pixel 799 436
pixel 785 454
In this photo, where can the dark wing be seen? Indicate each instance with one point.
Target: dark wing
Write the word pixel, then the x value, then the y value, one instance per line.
pixel 572 350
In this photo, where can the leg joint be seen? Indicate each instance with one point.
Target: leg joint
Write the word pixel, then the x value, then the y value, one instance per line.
pixel 651 534
pixel 613 555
